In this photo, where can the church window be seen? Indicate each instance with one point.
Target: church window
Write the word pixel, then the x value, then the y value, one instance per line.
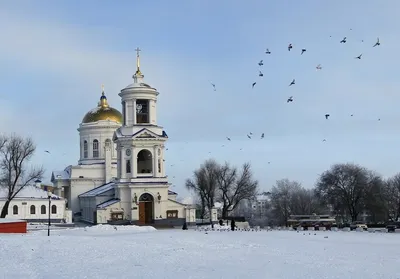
pixel 95 148
pixel 43 209
pixel 144 161
pixel 33 209
pixel 54 209
pixel 172 214
pixel 124 113
pixel 15 209
pixel 159 165
pixel 142 111
pixel 85 149
pixel 128 166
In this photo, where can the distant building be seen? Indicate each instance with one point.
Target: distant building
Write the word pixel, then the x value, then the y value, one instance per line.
pixel 32 204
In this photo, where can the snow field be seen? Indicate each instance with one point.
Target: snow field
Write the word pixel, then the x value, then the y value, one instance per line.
pixel 143 252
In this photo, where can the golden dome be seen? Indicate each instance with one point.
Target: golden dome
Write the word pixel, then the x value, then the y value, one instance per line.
pixel 103 112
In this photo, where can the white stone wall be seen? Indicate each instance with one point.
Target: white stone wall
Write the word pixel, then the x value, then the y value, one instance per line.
pixel 190 215
pixel 102 131
pixel 24 206
pixel 103 215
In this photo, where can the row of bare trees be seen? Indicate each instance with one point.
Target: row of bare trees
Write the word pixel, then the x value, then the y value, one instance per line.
pixel 226 184
pixel 16 153
pixel 345 191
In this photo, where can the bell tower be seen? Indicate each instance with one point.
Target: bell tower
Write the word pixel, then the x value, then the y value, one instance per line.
pixel 140 141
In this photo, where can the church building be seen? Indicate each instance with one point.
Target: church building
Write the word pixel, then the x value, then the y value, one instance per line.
pixel 121 173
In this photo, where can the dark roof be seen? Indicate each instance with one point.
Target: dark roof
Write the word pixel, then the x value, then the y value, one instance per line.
pixel 107 203
pixel 172 192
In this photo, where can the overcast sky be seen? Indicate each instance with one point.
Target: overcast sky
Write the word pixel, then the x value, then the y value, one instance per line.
pixel 54 56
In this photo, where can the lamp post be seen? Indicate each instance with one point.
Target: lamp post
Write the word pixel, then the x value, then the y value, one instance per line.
pixel 49 196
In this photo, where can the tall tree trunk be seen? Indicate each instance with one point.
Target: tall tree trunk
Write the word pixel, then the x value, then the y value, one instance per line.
pixel 5 209
pixel 224 213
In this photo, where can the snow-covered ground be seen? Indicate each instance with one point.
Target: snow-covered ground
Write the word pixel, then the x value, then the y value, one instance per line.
pixel 103 252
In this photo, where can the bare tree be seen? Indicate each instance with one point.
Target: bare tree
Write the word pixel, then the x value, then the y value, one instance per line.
pixel 282 199
pixel 204 184
pixel 344 186
pixel 391 194
pixel 235 186
pixel 304 201
pixel 201 205
pixel 15 154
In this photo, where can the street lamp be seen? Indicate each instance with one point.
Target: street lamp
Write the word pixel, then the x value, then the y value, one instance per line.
pixel 49 196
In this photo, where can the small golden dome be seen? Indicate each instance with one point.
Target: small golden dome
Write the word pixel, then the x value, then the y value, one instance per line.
pixel 103 112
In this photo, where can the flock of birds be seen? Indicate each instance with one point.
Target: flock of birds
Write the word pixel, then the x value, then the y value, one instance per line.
pixel 293 82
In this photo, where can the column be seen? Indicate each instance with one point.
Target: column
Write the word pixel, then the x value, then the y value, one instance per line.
pixel 122 163
pixel 134 162
pixel 155 161
pixel 134 112
pixel 150 102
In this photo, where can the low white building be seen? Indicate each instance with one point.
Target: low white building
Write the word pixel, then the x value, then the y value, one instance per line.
pixel 32 204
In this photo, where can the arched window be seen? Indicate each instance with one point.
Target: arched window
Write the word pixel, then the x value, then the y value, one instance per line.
pixel 95 148
pixel 144 161
pixel 15 209
pixel 54 209
pixel 43 209
pixel 128 166
pixel 33 209
pixel 85 149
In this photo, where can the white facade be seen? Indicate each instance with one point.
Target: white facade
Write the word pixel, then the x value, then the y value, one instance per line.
pixel 123 180
pixel 142 184
pixel 97 163
pixel 32 204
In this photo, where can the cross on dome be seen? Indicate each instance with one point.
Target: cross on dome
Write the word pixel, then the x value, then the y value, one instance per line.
pixel 138 74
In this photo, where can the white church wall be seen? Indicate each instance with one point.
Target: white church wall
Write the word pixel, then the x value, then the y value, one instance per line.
pixel 104 214
pixel 101 131
pixel 172 197
pixel 172 205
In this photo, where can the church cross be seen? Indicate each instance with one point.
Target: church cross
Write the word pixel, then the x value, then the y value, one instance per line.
pixel 138 60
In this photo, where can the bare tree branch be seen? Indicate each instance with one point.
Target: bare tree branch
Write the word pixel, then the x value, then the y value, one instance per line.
pixel 204 184
pixel 15 153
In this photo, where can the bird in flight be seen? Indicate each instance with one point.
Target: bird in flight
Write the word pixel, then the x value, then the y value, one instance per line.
pixel 228 138
pixel 250 133
pixel 260 63
pixel 260 74
pixel 324 140
pixel 377 43
pixel 319 67
pixel 327 116
pixel 293 82
pixel 213 85
pixel 358 57
pixel 289 47
pixel 290 99
pixel 344 40
pixel 262 135
pixel 351 114
pixel 267 51
pixel 254 83
pixel 303 50
pixel 47 151
pixel 249 136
